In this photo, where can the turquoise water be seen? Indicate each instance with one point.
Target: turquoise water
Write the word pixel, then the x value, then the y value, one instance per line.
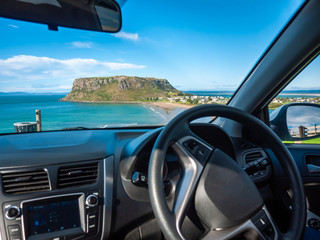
pixel 58 115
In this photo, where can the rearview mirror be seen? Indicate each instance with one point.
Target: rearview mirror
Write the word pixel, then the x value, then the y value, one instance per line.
pixel 296 121
pixel 95 15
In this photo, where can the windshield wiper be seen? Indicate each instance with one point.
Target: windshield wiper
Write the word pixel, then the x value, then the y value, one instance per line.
pixel 75 128
pixel 134 126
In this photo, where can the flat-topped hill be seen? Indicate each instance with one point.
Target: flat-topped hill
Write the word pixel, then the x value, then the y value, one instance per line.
pixel 120 88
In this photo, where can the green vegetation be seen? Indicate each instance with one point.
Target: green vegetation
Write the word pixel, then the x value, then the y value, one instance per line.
pixel 111 93
pixel 279 101
pixel 309 141
pixel 288 141
pixel 121 88
pixel 312 141
pixel 134 89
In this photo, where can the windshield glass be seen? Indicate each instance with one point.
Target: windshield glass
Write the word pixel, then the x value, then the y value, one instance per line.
pixel 169 56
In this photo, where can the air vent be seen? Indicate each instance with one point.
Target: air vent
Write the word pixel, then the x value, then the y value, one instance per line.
pixel 25 181
pixel 252 156
pixel 76 175
pixel 245 145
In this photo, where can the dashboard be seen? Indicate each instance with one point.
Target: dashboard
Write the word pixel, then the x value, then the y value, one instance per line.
pixel 93 184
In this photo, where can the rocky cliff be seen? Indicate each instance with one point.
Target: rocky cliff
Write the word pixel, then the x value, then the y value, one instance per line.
pixel 120 88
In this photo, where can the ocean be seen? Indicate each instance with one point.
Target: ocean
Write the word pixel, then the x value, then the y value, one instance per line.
pixel 57 115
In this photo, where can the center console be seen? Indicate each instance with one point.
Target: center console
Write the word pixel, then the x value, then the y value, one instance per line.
pixel 62 217
pixel 81 211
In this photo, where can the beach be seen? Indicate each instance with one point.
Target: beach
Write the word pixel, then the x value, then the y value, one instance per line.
pixel 168 105
pixel 164 105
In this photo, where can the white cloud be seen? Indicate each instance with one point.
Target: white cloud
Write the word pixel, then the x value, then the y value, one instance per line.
pixel 78 44
pixel 125 35
pixel 13 26
pixel 51 74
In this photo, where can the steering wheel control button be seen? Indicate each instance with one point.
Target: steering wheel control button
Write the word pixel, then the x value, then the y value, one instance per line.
pixel 14 230
pixel 268 232
pixel 314 223
pixel 139 179
pixel 261 220
pixel 197 150
pixel 190 145
pixel 92 201
pixel 263 224
pixel 12 212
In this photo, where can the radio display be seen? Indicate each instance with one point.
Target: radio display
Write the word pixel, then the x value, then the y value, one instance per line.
pixel 51 216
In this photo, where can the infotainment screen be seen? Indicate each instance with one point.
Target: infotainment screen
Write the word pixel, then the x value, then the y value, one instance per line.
pixel 52 215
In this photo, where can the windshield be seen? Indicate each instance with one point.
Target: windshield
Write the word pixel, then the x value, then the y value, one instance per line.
pixel 169 56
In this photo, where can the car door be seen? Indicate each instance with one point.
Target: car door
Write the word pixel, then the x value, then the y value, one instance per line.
pixel 295 118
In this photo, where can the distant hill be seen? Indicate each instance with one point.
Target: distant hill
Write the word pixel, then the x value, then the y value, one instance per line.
pixel 120 88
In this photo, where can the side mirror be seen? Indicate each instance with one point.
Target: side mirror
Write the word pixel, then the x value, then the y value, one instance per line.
pixel 95 15
pixel 296 121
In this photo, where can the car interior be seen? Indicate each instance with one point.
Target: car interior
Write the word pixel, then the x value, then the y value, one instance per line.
pixel 230 178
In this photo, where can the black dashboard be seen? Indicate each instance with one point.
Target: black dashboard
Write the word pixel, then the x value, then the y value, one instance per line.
pixel 93 184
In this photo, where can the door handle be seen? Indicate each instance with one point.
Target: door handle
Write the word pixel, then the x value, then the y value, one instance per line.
pixel 313 168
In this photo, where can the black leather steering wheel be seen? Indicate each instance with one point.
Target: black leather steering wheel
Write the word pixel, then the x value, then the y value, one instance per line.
pixel 225 198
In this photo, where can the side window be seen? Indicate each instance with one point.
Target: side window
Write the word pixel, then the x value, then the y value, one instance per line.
pixel 295 112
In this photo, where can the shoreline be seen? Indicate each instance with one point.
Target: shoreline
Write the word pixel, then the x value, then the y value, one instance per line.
pixel 164 105
pixel 168 105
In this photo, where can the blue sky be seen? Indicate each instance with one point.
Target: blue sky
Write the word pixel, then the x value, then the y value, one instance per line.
pixel 196 45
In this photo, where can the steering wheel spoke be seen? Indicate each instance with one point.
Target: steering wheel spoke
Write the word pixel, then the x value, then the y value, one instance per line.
pixel 185 148
pixel 260 226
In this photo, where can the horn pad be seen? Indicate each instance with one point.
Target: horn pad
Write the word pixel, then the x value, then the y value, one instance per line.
pixel 225 196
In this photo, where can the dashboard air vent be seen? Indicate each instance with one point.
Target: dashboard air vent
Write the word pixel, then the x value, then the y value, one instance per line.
pixel 75 175
pixel 19 182
pixel 252 156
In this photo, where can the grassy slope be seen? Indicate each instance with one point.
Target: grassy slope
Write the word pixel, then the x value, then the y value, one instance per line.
pixel 110 92
pixel 274 106
pixel 309 141
pixel 312 141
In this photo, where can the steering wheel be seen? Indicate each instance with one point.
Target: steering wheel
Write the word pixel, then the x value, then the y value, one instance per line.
pixel 225 198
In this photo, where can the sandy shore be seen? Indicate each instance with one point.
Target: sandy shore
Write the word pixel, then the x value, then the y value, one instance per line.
pixel 167 110
pixel 163 105
pixel 167 105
